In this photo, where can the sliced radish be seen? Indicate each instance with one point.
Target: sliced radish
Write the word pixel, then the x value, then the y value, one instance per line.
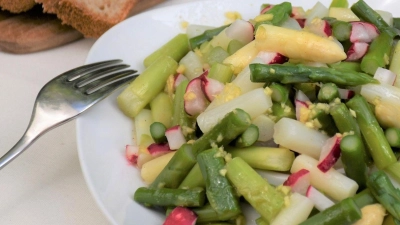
pixel 178 78
pixel 330 153
pixel 132 153
pixel 321 202
pixel 272 57
pixel 356 51
pixel 302 22
pixel 346 93
pixel 301 103
pixel 265 8
pixel 385 76
pixel 363 32
pixel 181 216
pixel 211 87
pixel 299 181
pixel 175 137
pixel 319 27
pixel 156 149
pixel 241 30
pixel 195 101
pixel 298 13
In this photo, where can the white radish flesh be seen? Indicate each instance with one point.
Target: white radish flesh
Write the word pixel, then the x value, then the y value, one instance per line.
pixel 319 27
pixel 175 137
pixel 298 12
pixel 318 11
pixel 272 57
pixel 356 51
pixel 157 150
pixel 211 87
pixel 296 212
pixel 192 64
pixel 321 202
pixel 195 101
pixel 385 76
pixel 178 79
pixel 259 104
pixel 296 136
pixel 241 30
pixel 334 184
pixel 330 153
pixel 132 153
pixel 194 30
pixel 265 127
pixel 346 93
pixel 363 32
pixel 299 181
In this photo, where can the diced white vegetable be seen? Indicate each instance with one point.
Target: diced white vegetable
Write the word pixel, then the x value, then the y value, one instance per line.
pixel 259 104
pixel 152 168
pixel 386 16
pixel 299 181
pixel 385 76
pixel 321 202
pixel 334 184
pixel 296 212
pixel 318 11
pixel 265 127
pixel 296 136
pixel 273 178
pixel 243 78
pixel 192 64
pixel 343 14
pixel 175 137
pixel 194 30
pixel 241 30
pixel 142 122
pixel 381 92
pixel 291 23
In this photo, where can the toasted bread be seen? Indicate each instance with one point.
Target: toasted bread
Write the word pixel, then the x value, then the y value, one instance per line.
pixel 17 6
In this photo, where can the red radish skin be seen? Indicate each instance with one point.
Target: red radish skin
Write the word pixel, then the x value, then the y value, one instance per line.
pixel 241 30
pixel 132 154
pixel 346 94
pixel 301 22
pixel 211 87
pixel 321 202
pixel 265 9
pixel 330 153
pixel 299 181
pixel 156 150
pixel 195 101
pixel 319 27
pixel 356 51
pixel 181 216
pixel 175 137
pixel 298 13
pixel 301 105
pixel 363 32
pixel 272 57
pixel 178 79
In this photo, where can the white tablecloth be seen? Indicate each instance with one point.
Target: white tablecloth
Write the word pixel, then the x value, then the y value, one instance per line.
pixel 44 185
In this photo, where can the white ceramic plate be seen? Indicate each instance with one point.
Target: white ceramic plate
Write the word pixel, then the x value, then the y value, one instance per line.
pixel 104 131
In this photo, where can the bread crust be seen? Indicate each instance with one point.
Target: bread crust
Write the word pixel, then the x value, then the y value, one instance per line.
pixel 17 6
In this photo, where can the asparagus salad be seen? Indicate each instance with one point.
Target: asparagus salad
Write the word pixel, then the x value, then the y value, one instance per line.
pixel 295 112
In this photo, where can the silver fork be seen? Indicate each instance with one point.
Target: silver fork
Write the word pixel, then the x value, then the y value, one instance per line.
pixel 68 95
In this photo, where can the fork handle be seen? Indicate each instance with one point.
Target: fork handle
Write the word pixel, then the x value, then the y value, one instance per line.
pixel 18 148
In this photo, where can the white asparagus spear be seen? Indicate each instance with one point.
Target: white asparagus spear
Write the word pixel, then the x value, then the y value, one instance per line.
pixel 296 212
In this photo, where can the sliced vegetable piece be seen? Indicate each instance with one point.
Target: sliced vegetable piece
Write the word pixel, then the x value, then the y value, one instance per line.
pixel 170 197
pixel 181 216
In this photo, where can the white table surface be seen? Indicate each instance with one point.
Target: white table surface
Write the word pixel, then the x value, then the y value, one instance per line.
pixel 44 185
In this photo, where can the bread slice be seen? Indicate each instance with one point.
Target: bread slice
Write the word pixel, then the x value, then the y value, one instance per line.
pixel 17 6
pixel 91 17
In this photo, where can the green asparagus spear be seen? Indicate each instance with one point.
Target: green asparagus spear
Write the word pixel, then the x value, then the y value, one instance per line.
pixel 234 45
pixel 309 89
pixel 353 158
pixel 281 12
pixel 339 4
pixel 341 30
pixel 375 139
pixel 180 116
pixel 287 74
pixel 266 158
pixel 261 221
pixel 393 136
pixel 193 179
pixel 220 72
pixel 352 66
pixel 157 131
pixel 383 190
pixel 344 121
pixel 170 197
pixel 378 54
pixel 195 42
pixel 264 198
pixel 366 13
pixel 345 212
pixel 219 191
pixel 216 55
pixel 248 137
pixel 328 93
pixel 280 93
pixel 319 115
pixel 162 109
pixel 396 22
pixel 176 48
pixel 364 198
pixel 280 110
pixel 230 127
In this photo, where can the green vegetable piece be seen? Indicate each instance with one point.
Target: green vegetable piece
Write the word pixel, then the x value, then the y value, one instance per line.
pixel 378 54
pixel 394 65
pixel 281 12
pixel 309 89
pixel 195 42
pixel 280 93
pixel 208 215
pixel 364 198
pixel 396 23
pixel 176 48
pixel 366 13
pixel 170 197
pixel 233 46
pixel 339 4
pixel 345 212
pixel 162 109
pixel 157 131
pixel 221 72
pixel 219 191
pixel 344 121
pixel 261 221
pixel 352 66
pixel 394 171
pixel 341 30
pixel 319 115
pixel 380 149
pixel 353 158
pixel 383 190
pixel 177 168
pixel 265 158
pixel 283 110
pixel 216 55
pixel 194 179
pixel 328 93
pixel 264 198
pixel 248 137
pixel 393 136
pixel 180 116
pixel 288 74
pixel 145 87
